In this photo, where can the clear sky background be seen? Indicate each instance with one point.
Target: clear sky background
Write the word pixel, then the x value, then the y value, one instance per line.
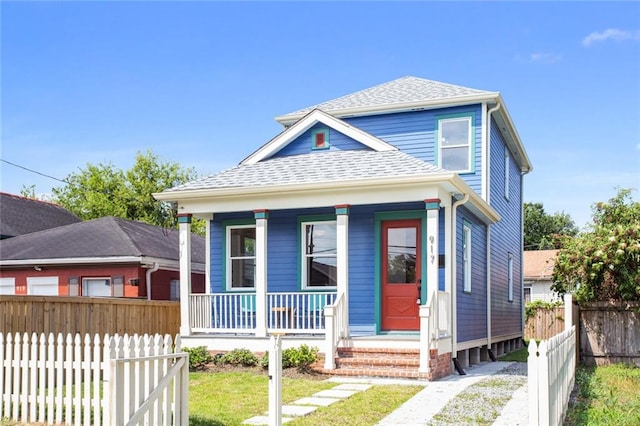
pixel 199 83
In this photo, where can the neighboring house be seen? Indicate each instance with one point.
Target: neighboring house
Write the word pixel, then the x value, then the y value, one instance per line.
pixel 538 271
pixel 387 218
pixel 106 257
pixel 21 215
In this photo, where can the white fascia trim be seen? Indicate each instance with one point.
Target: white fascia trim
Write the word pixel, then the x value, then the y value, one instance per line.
pixel 304 124
pixel 399 107
pixel 309 195
pixel 485 149
pixel 522 157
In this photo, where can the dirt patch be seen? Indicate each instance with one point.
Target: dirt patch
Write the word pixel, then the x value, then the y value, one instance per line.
pixel 292 373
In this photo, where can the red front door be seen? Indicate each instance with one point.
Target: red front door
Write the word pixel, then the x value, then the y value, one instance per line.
pixel 400 274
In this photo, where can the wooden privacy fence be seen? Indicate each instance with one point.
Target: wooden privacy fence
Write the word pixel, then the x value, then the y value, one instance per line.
pixel 610 333
pixel 113 380
pixel 545 323
pixel 87 315
pixel 551 375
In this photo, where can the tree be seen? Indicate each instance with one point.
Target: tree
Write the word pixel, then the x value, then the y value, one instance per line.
pixel 603 263
pixel 104 190
pixel 541 229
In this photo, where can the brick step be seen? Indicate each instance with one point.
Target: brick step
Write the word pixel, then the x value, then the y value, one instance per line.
pixel 404 373
pixel 378 351
pixel 375 361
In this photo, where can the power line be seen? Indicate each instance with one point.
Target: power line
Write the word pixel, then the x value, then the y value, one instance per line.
pixel 33 171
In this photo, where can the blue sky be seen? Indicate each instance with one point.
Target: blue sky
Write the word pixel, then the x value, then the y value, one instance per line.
pixel 200 82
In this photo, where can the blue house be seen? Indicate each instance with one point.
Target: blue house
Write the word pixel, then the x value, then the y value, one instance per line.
pixel 385 220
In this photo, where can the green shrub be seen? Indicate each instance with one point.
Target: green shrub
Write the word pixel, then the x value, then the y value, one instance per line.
pixel 239 357
pixel 531 308
pixel 301 357
pixel 199 357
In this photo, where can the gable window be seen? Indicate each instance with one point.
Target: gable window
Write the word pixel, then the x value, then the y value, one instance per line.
pixel 319 254
pixel 241 257
pixel 466 257
pixel 455 143
pixel 510 272
pixel 507 160
pixel 320 139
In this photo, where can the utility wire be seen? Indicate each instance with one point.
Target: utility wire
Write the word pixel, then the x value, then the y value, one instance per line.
pixel 33 171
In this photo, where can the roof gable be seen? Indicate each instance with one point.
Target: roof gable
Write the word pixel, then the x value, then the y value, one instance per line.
pixel 100 238
pixel 20 215
pixel 312 118
pixel 402 94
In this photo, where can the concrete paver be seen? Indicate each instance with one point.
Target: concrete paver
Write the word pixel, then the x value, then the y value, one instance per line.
pixel 320 402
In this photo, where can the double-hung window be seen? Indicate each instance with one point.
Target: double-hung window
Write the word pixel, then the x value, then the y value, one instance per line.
pixel 507 164
pixel 241 257
pixel 455 138
pixel 319 254
pixel 466 257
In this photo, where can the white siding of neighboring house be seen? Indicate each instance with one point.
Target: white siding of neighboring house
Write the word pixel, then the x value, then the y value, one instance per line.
pixel 541 290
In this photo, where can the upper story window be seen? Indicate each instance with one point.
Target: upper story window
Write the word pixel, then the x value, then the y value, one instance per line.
pixel 510 277
pixel 466 257
pixel 319 254
pixel 507 162
pixel 455 141
pixel 241 257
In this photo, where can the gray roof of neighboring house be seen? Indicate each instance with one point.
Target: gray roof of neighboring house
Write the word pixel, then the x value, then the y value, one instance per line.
pixel 315 167
pixel 103 237
pixel 401 91
pixel 20 215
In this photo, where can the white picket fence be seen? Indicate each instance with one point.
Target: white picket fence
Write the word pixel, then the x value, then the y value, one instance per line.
pixel 113 380
pixel 551 371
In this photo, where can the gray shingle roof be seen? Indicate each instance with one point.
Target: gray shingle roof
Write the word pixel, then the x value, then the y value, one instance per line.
pixel 104 237
pixel 403 90
pixel 20 215
pixel 329 166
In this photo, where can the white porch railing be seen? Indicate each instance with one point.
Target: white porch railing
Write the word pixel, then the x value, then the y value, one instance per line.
pixel 236 312
pixel 444 306
pixel 336 324
pixel 551 373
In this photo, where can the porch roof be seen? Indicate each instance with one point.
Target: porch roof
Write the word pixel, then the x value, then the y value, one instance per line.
pixel 324 179
pixel 330 166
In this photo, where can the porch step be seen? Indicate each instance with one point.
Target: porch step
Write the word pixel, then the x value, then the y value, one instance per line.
pixel 378 362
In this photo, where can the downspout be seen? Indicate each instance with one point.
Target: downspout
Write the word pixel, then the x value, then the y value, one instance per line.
pixel 521 252
pixel 488 171
pixel 150 271
pixel 454 283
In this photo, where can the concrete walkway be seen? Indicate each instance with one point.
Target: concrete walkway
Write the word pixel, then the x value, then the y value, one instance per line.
pixel 419 409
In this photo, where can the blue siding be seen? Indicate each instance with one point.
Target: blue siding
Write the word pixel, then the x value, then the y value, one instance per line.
pixel 283 249
pixel 303 143
pixel 506 237
pixel 472 307
pixel 414 133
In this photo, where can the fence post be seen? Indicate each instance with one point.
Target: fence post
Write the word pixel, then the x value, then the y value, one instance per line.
pixel 568 311
pixel 275 381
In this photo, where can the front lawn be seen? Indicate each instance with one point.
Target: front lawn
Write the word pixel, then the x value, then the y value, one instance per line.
pixel 229 398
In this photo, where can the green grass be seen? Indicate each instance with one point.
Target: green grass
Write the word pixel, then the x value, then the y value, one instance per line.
pixel 361 409
pixel 519 355
pixel 606 395
pixel 217 399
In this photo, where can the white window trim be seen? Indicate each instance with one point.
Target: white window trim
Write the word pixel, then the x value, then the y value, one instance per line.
pixel 84 289
pixel 507 163
pixel 304 256
pixel 8 285
pixel 510 277
pixel 466 257
pixel 469 143
pixel 228 259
